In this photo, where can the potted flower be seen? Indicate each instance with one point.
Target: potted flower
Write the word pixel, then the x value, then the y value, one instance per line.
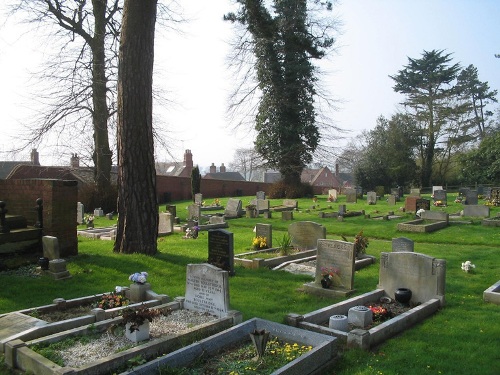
pixel 89 220
pixel 259 243
pixel 138 277
pixel 136 322
pixel 330 276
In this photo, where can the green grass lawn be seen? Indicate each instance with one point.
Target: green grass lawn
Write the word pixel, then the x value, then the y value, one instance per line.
pixel 462 338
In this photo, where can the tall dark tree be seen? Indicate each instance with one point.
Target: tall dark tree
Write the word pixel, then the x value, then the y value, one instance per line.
pixel 389 157
pixel 137 207
pixel 482 165
pixel 427 85
pixel 195 181
pixel 283 46
pixel 478 95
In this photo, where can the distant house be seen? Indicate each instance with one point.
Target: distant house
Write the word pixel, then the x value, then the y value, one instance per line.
pixel 178 169
pixel 6 167
pixel 222 174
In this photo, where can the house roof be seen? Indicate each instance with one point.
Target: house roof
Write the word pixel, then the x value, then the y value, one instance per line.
pixel 81 174
pixel 169 169
pixel 227 176
pixel 7 166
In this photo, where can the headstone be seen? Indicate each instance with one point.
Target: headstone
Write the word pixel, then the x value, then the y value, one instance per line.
pixel 342 209
pixel 380 191
pixel 422 274
pixel 350 195
pixel 487 192
pixel 477 211
pixel 172 209
pixel 495 195
pixel 397 192
pixel 371 197
pixel 50 246
pixel 359 192
pixel 480 190
pixel 260 195
pixel 207 289
pixel 194 212
pixel 98 212
pixel 165 224
pixel 233 208
pixel 216 220
pixel 266 231
pixel 305 234
pixel 291 203
pixel 340 254
pixel 463 191
pixel 221 249
pixel 198 199
pixel 80 212
pixel 434 188
pixel 435 215
pixel 262 205
pixel 286 215
pixel 415 192
pixel 424 204
pixel 471 197
pixel 391 200
pixel 403 244
pixel 332 195
pixel 440 195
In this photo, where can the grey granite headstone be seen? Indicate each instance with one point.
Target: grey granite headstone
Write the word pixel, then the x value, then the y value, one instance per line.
pixel 415 192
pixel 424 275
pixel 262 205
pixel 80 212
pixel 50 247
pixel 371 197
pixel 305 234
pixel 487 192
pixel 391 200
pixel 216 220
pixel 434 188
pixel 341 254
pixel 435 215
pixel 172 209
pixel 165 223
pixel 403 244
pixel 477 211
pixel 351 195
pixel 265 230
pixel 198 199
pixel 440 195
pixel 221 249
pixel 471 197
pixel 233 208
pixel 260 195
pixel 342 209
pixel 194 212
pixel 207 289
pixel 98 212
pixel 286 215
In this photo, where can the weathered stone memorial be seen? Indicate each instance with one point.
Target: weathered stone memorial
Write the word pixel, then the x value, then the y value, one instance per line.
pixel 233 208
pixel 221 249
pixel 260 195
pixel 194 212
pixel 440 195
pixel 391 200
pixel 198 199
pixel 80 213
pixel 332 195
pixel 337 258
pixel 471 197
pixel 165 224
pixel 305 234
pixel 415 192
pixel 403 244
pixel 266 231
pixel 351 195
pixel 476 211
pixel 286 215
pixel 435 188
pixel 371 197
pixel 262 205
pixel 424 204
pixel 207 289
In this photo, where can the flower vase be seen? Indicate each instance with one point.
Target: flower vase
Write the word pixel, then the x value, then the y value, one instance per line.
pixel 259 339
pixel 137 335
pixel 43 262
pixel 403 295
pixel 326 282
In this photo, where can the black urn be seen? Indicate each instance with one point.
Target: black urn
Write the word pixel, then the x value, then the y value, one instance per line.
pixel 402 295
pixel 43 262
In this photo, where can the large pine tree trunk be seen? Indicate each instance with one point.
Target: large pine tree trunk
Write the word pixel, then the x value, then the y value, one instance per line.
pixel 137 208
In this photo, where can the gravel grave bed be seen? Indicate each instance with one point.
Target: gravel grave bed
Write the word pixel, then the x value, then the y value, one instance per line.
pixel 177 321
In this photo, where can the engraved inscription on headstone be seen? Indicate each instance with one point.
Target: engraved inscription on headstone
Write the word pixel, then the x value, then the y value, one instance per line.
pixel 221 249
pixel 341 254
pixel 207 289
pixel 424 204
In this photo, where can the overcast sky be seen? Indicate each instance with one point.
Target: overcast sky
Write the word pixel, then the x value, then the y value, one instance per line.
pixel 378 37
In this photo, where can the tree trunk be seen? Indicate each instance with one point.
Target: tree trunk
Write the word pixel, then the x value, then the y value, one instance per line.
pixel 137 209
pixel 102 153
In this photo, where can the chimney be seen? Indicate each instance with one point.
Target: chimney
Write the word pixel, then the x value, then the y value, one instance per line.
pixel 188 159
pixel 222 168
pixel 34 157
pixel 75 161
pixel 213 168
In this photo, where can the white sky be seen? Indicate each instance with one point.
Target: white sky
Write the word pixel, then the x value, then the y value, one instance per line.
pixel 378 37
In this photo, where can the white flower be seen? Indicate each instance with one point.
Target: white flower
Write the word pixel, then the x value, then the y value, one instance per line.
pixel 420 212
pixel 467 266
pixel 118 289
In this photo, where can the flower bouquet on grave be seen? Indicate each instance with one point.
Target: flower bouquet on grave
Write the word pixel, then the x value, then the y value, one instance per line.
pixel 192 232
pixel 138 277
pixel 330 277
pixel 467 266
pixel 134 318
pixel 259 243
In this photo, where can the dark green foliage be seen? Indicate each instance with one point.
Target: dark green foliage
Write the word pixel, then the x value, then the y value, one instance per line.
pixel 281 189
pixel 283 46
pixel 427 85
pixel 482 165
pixel 388 159
pixel 195 181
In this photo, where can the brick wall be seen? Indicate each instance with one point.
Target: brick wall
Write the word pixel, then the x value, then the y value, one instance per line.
pixel 59 207
pixel 179 188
